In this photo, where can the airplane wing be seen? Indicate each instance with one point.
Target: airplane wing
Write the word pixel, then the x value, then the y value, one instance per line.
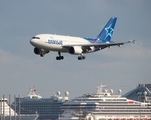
pixel 100 45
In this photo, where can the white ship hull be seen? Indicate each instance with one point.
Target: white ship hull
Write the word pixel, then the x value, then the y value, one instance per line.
pixel 110 117
pixel 104 105
pixel 22 117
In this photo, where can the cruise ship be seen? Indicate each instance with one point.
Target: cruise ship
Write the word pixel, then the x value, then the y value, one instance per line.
pixel 138 93
pixel 104 105
pixel 47 108
pixel 7 113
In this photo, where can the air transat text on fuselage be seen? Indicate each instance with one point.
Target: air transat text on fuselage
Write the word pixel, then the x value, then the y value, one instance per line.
pixel 57 42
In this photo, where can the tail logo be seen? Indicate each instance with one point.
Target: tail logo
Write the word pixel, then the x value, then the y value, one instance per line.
pixel 109 31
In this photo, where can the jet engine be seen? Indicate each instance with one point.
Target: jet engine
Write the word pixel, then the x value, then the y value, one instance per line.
pixel 40 52
pixel 75 50
pixel 37 51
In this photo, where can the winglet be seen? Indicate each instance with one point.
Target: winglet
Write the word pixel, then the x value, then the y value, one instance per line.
pixel 133 41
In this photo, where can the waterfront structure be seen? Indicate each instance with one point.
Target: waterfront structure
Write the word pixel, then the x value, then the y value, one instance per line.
pixel 104 105
pixel 7 113
pixel 47 108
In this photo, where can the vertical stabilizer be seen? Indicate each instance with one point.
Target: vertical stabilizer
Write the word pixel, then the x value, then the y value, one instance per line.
pixel 106 34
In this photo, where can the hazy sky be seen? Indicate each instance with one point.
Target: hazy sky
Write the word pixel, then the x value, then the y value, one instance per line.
pixel 116 67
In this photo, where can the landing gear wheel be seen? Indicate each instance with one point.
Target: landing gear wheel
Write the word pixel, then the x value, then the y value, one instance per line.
pixel 41 55
pixel 62 57
pixel 59 58
pixel 81 57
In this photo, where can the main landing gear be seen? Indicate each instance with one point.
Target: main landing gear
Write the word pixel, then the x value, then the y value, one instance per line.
pixel 81 57
pixel 59 57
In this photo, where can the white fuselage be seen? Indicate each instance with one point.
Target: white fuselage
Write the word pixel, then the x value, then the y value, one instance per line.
pixel 53 42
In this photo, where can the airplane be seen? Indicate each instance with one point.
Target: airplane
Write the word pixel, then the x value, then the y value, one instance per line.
pixel 44 43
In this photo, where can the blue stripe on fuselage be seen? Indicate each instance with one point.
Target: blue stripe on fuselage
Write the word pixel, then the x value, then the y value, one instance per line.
pixel 91 40
pixel 96 40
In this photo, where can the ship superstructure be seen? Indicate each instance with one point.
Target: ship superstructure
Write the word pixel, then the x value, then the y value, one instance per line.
pixel 141 93
pixel 104 105
pixel 47 108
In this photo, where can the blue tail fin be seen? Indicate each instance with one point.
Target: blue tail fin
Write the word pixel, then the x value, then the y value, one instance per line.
pixel 107 31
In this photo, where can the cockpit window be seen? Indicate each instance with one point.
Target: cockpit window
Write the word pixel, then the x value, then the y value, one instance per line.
pixel 35 37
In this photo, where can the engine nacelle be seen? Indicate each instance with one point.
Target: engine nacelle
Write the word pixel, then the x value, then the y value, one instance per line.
pixel 94 49
pixel 75 50
pixel 37 51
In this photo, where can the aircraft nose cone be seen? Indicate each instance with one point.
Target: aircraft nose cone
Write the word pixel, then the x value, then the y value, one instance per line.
pixel 31 41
